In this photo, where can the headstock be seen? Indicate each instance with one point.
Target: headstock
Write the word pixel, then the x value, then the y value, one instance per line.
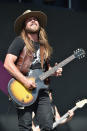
pixel 79 53
pixel 81 103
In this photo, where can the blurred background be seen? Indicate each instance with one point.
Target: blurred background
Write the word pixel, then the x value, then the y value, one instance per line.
pixel 67 31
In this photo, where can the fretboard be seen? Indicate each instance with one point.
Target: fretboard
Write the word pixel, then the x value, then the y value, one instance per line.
pixel 55 68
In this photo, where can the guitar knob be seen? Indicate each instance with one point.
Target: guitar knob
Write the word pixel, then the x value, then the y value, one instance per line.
pixel 27 96
pixel 22 100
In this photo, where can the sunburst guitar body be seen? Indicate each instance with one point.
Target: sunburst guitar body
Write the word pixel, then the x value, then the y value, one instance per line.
pixel 23 96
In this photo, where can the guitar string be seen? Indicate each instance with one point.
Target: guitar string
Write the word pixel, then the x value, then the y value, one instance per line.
pixel 61 64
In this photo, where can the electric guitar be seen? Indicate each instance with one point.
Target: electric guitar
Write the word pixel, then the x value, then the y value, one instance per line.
pixel 79 104
pixel 25 97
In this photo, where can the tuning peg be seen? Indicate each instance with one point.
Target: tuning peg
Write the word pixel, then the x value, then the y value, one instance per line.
pixel 81 57
pixel 74 52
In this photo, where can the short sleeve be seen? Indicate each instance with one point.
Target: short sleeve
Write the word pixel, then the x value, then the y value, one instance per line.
pixel 16 46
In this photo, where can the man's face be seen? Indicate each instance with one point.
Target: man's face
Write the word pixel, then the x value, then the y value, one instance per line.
pixel 32 25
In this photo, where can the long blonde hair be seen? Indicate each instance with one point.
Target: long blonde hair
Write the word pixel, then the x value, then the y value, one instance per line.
pixel 43 40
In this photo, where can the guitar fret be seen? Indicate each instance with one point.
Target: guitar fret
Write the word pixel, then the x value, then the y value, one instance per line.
pixel 61 64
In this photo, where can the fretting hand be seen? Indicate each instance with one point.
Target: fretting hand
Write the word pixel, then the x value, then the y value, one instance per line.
pixel 58 72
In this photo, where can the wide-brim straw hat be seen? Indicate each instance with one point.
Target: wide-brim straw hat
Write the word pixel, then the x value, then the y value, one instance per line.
pixel 41 17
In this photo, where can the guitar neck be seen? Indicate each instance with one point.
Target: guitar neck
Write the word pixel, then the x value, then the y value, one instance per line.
pixel 61 64
pixel 63 117
pixel 67 114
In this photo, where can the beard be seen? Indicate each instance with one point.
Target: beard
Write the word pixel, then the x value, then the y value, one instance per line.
pixel 32 31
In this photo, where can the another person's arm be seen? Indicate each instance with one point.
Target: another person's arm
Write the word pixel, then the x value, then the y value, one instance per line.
pixel 57 116
pixel 34 127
